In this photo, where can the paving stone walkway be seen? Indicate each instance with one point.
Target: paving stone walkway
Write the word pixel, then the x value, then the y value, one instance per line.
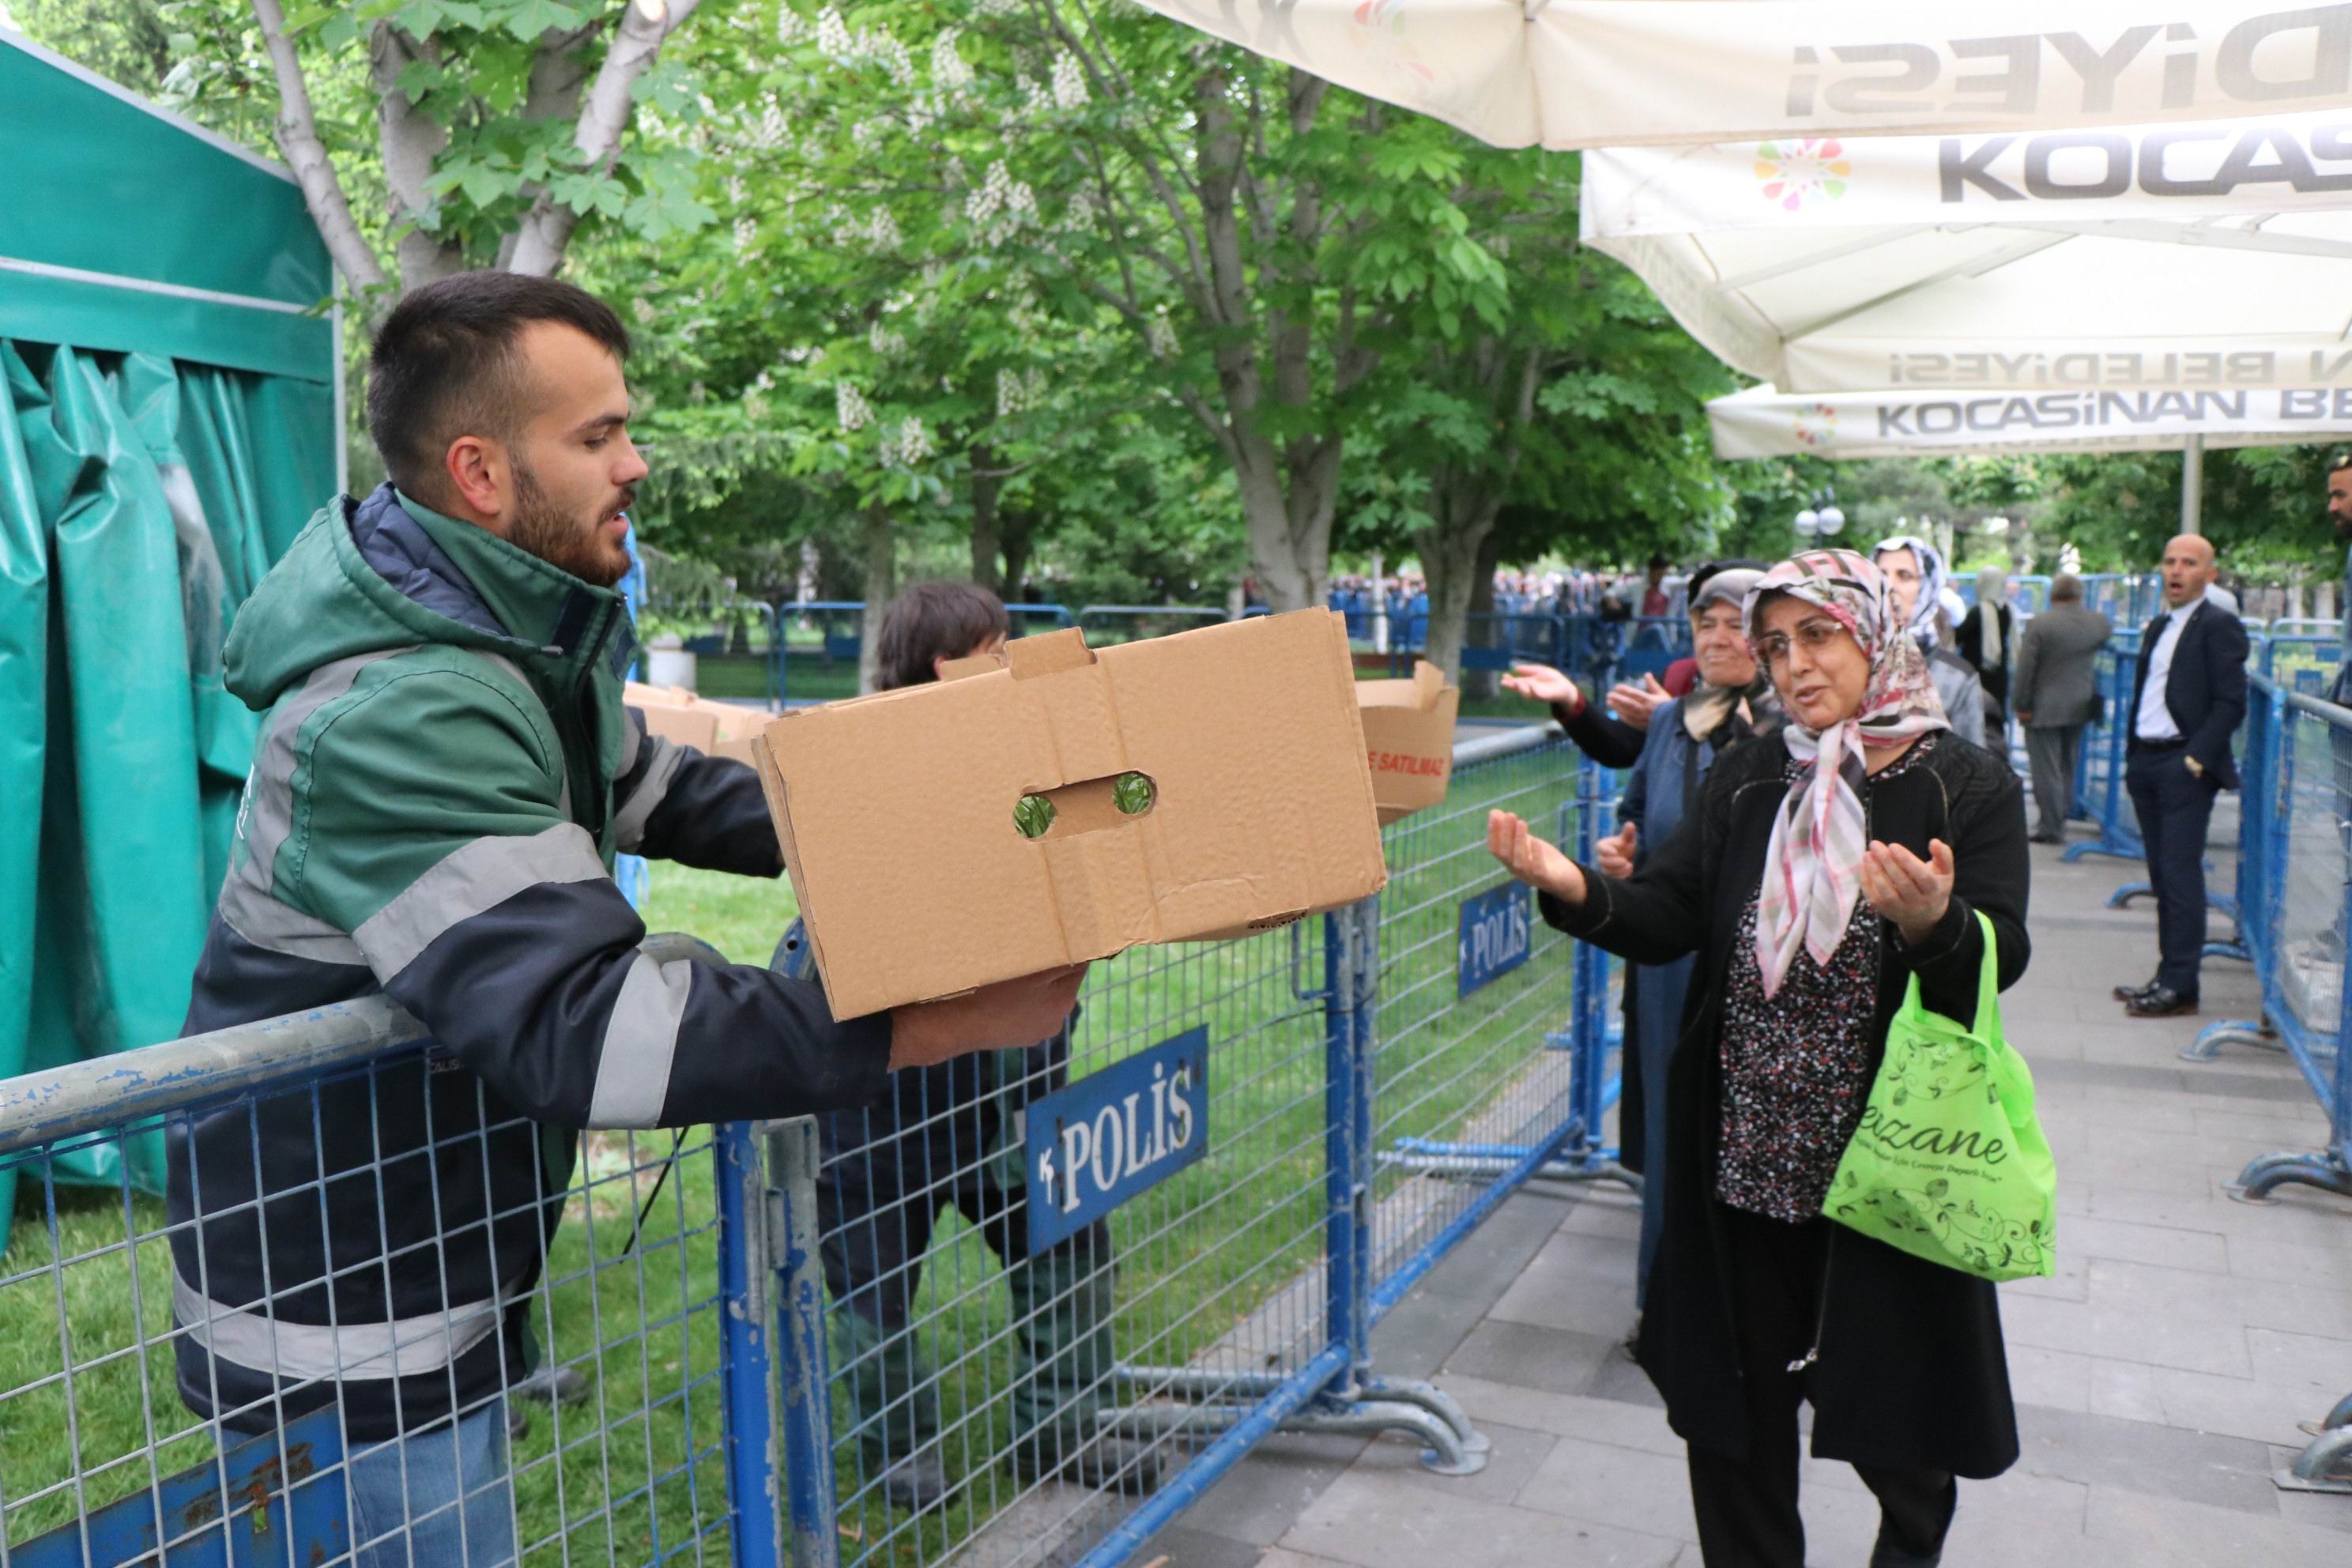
pixel 2160 1376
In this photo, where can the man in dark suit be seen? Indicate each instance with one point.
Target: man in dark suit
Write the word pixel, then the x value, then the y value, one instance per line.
pixel 2057 693
pixel 2186 704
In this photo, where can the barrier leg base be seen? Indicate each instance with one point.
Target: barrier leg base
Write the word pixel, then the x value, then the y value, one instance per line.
pixel 2262 1177
pixel 2325 1466
pixel 2074 852
pixel 1445 1454
pixel 2122 897
pixel 1482 1165
pixel 2221 1032
pixel 2233 949
pixel 1437 1402
pixel 2339 1416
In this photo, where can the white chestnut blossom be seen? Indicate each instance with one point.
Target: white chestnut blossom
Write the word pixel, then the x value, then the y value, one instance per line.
pixel 850 409
pixel 1069 83
pixel 833 39
pixel 949 74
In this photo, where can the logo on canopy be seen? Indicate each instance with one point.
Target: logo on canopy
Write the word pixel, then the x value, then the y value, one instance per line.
pixel 1797 173
pixel 1817 424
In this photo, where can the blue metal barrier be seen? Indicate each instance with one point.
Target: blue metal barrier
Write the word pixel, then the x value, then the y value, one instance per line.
pixel 2100 789
pixel 1374 1093
pixel 103 1462
pixel 2294 899
pixel 2294 888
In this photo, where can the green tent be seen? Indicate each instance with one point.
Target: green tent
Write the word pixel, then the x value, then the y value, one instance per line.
pixel 170 389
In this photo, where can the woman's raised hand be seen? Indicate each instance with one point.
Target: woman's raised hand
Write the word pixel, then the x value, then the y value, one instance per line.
pixel 1635 701
pixel 1533 859
pixel 1614 853
pixel 1911 893
pixel 1542 683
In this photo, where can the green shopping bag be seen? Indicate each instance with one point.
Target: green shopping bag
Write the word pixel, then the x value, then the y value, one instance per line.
pixel 1949 1162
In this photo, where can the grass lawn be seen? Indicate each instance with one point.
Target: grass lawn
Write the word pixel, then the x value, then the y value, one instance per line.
pixel 635 1473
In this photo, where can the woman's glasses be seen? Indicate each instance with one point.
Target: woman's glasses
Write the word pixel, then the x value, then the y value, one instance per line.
pixel 1812 634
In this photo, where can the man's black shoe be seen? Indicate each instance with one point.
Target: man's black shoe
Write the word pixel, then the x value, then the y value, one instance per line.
pixel 2133 992
pixel 2161 1002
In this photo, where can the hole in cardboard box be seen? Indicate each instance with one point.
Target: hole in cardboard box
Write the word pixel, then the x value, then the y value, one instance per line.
pixel 1086 806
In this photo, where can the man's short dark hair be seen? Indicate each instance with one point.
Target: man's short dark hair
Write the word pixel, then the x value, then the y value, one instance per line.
pixel 2065 588
pixel 446 364
pixel 936 620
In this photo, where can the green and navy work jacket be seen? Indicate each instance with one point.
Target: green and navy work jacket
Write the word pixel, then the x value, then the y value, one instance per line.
pixel 446 773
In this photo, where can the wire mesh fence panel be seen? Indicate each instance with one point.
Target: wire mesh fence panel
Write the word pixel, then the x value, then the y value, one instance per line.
pixel 733 641
pixel 1031 1255
pixel 305 1349
pixel 1475 1001
pixel 2315 796
pixel 2295 910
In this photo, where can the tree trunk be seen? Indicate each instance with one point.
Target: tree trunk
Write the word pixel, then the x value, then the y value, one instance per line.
pixel 1457 554
pixel 986 488
pixel 1482 683
pixel 1017 533
pixel 881 582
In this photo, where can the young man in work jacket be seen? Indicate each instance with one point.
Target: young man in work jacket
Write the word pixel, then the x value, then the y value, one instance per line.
pixel 445 775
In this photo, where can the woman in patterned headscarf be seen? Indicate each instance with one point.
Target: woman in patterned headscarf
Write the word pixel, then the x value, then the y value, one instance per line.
pixel 1916 581
pixel 1825 867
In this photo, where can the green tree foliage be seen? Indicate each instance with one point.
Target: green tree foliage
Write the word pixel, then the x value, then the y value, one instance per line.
pixel 1062 295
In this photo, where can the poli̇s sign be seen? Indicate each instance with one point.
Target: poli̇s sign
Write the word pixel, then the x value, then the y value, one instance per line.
pixel 1496 934
pixel 1097 1142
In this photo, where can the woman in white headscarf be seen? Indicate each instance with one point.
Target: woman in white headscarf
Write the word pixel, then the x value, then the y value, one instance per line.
pixel 1827 866
pixel 1915 582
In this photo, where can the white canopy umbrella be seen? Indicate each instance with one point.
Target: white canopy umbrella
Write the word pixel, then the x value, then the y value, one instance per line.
pixel 1589 73
pixel 1845 265
pixel 1763 421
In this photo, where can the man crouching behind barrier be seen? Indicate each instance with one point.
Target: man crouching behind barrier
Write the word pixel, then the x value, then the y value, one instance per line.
pixel 1825 867
pixel 445 775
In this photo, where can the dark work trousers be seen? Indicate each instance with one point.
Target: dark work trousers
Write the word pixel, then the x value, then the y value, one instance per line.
pixel 2175 807
pixel 949 1136
pixel 2050 754
pixel 1747 1508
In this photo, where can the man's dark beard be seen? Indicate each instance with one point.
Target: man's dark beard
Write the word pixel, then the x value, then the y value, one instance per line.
pixel 560 541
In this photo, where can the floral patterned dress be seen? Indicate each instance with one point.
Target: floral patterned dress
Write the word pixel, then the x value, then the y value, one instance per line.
pixel 1796 1070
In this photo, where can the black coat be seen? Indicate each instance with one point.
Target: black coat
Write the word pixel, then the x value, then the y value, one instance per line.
pixel 1911 1369
pixel 2206 689
pixel 1994 673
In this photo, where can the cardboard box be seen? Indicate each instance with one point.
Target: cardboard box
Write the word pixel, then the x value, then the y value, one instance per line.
pixel 1409 738
pixel 714 729
pixel 898 812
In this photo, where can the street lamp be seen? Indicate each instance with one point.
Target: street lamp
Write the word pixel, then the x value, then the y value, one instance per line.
pixel 1821 516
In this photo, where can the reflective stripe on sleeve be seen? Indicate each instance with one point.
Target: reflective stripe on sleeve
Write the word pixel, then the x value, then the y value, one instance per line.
pixel 640 1043
pixel 470 880
pixel 629 821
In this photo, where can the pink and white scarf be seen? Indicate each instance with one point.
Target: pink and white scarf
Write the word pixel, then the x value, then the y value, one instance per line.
pixel 1813 867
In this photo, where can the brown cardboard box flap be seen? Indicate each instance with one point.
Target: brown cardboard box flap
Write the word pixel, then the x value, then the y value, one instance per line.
pixel 897 812
pixel 1409 738
pixel 715 728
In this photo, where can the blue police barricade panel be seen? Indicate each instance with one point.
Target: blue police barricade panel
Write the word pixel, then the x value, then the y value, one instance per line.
pixel 1112 1134
pixel 1489 657
pixel 272 1499
pixel 1497 935
pixel 1637 662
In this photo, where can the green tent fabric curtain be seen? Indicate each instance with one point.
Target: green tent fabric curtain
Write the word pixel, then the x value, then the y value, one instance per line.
pixel 141 500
